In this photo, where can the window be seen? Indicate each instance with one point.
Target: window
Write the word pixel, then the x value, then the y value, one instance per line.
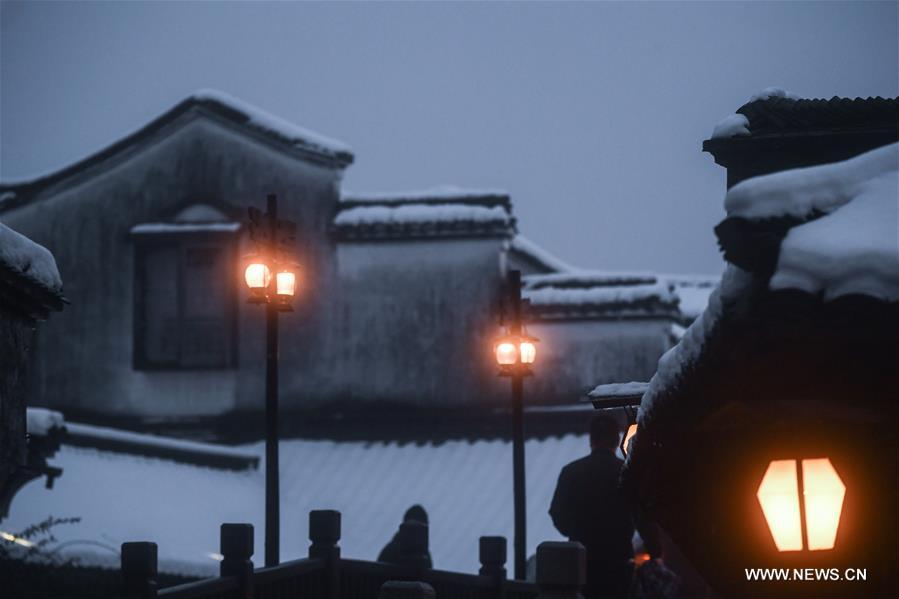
pixel 184 301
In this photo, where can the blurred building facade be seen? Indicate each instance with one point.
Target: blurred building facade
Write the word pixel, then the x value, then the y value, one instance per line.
pixel 398 294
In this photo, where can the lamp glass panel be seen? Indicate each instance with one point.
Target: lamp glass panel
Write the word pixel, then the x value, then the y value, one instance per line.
pixel 631 431
pixel 823 492
pixel 528 351
pixel 258 276
pixel 286 283
pixel 506 353
pixel 778 494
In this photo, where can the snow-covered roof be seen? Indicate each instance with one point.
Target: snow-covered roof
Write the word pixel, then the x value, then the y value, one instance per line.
pixel 775 112
pixel 439 212
pixel 308 144
pixel 29 260
pixel 585 293
pixel 853 248
pixel 528 249
pixel 465 487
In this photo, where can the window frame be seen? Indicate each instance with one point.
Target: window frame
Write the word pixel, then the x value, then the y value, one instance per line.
pixel 227 241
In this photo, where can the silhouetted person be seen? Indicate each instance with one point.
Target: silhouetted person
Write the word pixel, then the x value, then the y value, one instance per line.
pixel 588 508
pixel 391 553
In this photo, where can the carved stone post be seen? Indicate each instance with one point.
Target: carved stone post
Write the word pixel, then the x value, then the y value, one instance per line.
pixel 324 532
pixel 237 549
pixel 561 570
pixel 492 555
pixel 139 570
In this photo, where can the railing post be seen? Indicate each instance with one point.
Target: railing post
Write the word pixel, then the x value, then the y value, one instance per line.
pixel 414 546
pixel 324 532
pixel 492 555
pixel 561 570
pixel 237 549
pixel 139 570
pixel 394 589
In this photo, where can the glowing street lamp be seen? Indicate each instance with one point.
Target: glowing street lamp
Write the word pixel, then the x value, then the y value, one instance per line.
pixel 276 293
pixel 515 352
pixel 813 524
pixel 625 442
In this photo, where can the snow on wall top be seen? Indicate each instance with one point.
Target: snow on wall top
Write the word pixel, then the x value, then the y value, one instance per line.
pixel 29 259
pixel 465 487
pixel 582 279
pixel 626 294
pixel 438 212
pixel 854 247
pixel 269 123
pixel 439 193
pixel 420 213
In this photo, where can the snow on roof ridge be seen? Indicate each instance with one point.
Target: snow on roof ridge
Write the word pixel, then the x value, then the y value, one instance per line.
pixel 619 389
pixel 29 259
pixel 617 294
pixel 524 245
pixel 672 364
pixel 436 193
pixel 774 92
pixel 585 277
pixel 268 121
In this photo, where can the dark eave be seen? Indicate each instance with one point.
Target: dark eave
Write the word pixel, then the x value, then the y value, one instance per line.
pixel 27 298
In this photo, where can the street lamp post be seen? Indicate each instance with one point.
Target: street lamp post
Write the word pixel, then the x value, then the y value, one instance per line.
pixel 515 352
pixel 271 278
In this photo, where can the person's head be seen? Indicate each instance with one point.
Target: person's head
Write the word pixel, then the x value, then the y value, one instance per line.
pixel 604 433
pixel 416 513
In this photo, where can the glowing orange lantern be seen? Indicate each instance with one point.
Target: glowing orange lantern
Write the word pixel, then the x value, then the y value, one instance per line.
pixel 822 493
pixel 527 350
pixel 285 284
pixel 631 431
pixel 506 352
pixel 257 275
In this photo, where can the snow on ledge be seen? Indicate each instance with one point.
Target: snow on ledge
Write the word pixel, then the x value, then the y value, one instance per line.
pixel 162 228
pixel 854 247
pixel 610 390
pixel 626 294
pixel 29 259
pixel 39 421
pixel 733 125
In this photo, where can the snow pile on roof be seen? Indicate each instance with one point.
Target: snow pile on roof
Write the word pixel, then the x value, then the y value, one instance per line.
pixel 525 246
pixel 439 193
pixel 465 487
pixel 854 247
pixel 737 125
pixel 258 118
pixel 774 92
pixel 39 421
pixel 619 390
pixel 733 125
pixel 33 261
pixel 421 213
pixel 676 360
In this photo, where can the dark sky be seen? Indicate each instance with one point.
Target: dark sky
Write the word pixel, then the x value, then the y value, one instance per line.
pixel 591 114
